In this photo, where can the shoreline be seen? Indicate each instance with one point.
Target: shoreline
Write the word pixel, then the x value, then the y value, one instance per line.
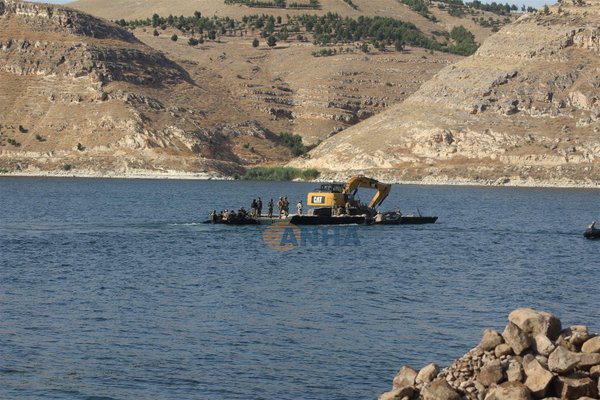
pixel 179 175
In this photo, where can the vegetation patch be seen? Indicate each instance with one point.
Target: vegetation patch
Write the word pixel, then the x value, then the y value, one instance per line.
pixel 13 142
pixel 351 4
pixel 329 29
pixel 420 7
pixel 294 142
pixel 278 174
pixel 464 41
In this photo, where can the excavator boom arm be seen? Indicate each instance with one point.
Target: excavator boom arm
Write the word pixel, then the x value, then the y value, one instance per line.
pixel 356 182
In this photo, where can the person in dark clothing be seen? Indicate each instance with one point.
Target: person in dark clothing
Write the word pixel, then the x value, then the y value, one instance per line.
pixel 253 207
pixel 270 208
pixel 259 207
pixel 280 205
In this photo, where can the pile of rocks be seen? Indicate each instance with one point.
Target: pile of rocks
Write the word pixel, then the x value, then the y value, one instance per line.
pixel 533 358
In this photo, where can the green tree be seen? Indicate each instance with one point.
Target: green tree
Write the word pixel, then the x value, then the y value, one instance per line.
pixel 193 41
pixel 271 41
pixel 155 33
pixel 255 42
pixel 399 44
pixel 174 37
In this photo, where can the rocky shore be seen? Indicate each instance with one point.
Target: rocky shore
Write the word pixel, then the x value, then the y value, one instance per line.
pixel 533 358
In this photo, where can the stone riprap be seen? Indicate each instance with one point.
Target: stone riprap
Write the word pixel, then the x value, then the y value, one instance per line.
pixel 533 358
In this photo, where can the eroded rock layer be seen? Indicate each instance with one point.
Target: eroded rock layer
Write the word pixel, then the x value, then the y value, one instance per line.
pixel 80 94
pixel 524 108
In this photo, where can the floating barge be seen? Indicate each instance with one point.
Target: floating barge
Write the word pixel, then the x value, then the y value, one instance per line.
pixel 397 219
pixel 337 204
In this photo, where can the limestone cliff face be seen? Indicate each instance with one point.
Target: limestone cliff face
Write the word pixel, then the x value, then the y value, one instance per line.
pixel 525 107
pixel 77 92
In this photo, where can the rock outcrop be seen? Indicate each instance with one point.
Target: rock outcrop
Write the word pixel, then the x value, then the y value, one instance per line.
pixel 571 371
pixel 81 94
pixel 524 108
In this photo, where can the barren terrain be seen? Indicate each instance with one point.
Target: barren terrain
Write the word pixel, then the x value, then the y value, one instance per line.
pixel 524 109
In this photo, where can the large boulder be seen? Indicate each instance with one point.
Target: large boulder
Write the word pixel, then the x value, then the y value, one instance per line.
pixel 398 394
pixel 577 334
pixel 575 386
pixel 595 372
pixel 491 374
pixel 562 360
pixel 514 373
pixel 587 360
pixel 538 378
pixel 439 390
pixel 509 391
pixel 516 338
pixel 536 322
pixel 502 350
pixel 490 340
pixel 405 377
pixel 542 345
pixel 592 345
pixel 427 374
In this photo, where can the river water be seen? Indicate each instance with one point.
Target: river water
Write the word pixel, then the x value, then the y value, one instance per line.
pixel 113 289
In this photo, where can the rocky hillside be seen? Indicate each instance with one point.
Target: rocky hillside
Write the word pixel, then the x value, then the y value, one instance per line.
pixel 81 94
pixel 524 109
pixel 533 358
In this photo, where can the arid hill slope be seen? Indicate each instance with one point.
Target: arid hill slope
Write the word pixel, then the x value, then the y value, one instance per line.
pixel 524 108
pixel 78 93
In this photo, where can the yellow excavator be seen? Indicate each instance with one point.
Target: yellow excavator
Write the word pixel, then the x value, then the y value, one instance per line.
pixel 335 198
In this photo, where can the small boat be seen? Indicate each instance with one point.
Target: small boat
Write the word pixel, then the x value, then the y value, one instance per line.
pixel 591 233
pixel 397 218
pixel 233 221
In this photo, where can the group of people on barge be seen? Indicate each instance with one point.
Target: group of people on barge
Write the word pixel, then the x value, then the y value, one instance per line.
pixel 256 211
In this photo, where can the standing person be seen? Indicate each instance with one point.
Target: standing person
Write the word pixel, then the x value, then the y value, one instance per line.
pixel 299 207
pixel 286 207
pixel 253 207
pixel 259 207
pixel 270 208
pixel 280 206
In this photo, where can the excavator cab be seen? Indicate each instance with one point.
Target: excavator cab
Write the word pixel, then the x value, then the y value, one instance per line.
pixel 333 196
pixel 328 195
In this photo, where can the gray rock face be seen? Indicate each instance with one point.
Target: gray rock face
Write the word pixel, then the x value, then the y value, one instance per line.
pixel 490 340
pixel 538 377
pixel 509 391
pixel 439 390
pixel 562 360
pixel 502 350
pixel 536 322
pixel 491 374
pixel 577 334
pixel 427 373
pixel 542 345
pixel 514 372
pixel 587 360
pixel 405 377
pixel 592 345
pixel 575 386
pixel 516 338
pixel 398 394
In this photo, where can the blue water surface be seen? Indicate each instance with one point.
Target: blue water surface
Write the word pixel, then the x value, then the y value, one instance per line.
pixel 114 289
